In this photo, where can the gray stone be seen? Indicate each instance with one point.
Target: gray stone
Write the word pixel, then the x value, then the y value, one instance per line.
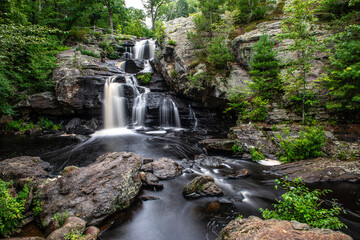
pixel 201 186
pixel 72 224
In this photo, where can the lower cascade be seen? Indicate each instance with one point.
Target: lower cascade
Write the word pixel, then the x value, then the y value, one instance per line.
pixel 125 102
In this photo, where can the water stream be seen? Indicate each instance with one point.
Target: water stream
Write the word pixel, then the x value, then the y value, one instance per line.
pixel 172 216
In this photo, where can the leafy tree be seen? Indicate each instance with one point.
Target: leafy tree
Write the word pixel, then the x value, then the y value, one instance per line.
pixel 300 28
pixel 152 7
pixel 265 69
pixel 250 10
pixel 343 82
pixel 305 206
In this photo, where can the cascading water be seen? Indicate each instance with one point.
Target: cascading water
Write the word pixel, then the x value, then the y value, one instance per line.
pixel 117 98
pixel 169 114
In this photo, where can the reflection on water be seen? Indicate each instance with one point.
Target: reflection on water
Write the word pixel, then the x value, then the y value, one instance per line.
pixel 172 216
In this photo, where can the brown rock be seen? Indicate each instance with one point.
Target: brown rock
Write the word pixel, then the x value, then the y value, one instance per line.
pixel 91 233
pixel 240 173
pixel 69 169
pixel 201 186
pixel 254 228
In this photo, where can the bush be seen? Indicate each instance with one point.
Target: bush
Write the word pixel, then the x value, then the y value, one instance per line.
pixel 22 126
pixel 60 218
pixel 219 54
pixel 307 145
pixel 256 110
pixel 144 78
pixel 171 42
pixel 74 235
pixel 256 155
pixel 237 148
pixel 11 208
pixel 303 205
pixel 87 52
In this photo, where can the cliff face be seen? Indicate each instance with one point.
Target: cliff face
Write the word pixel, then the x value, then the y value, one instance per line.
pixel 175 63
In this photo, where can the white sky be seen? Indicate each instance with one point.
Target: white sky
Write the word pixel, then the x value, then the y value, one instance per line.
pixel 134 3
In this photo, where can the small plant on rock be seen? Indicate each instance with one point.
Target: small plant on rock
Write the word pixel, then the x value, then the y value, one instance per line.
pixel 60 218
pixel 74 235
pixel 303 205
pixel 256 155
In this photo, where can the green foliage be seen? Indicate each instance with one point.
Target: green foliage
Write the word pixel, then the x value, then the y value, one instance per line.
pixel 159 33
pixel 87 52
pixel 237 103
pixel 308 144
pixel 303 205
pixel 171 42
pixel 343 82
pixel 22 126
pixel 237 148
pixel 11 208
pixel 60 218
pixel 256 155
pixel 265 69
pixel 300 27
pixel 27 61
pixel 144 78
pixel 74 235
pixel 200 80
pixel 256 110
pixel 219 54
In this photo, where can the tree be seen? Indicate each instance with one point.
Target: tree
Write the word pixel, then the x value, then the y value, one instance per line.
pixel 112 5
pixel 265 68
pixel 343 82
pixel 152 7
pixel 299 26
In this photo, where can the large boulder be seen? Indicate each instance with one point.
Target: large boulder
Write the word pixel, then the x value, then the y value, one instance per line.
pixel 320 170
pixel 24 167
pixel 253 228
pixel 164 168
pixel 96 191
pixel 71 225
pixel 201 186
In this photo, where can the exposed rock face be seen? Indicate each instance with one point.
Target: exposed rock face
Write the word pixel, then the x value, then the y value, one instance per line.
pixel 23 167
pixel 164 168
pixel 320 170
pixel 255 228
pixel 201 186
pixel 217 145
pixel 96 191
pixel 72 224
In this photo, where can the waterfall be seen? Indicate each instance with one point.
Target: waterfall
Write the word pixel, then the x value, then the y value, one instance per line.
pixel 193 115
pixel 169 114
pixel 139 110
pixel 144 50
pixel 115 104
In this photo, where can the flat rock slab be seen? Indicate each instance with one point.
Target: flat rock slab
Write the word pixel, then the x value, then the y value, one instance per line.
pixel 164 168
pixel 23 167
pixel 320 170
pixel 255 228
pixel 96 191
pixel 224 145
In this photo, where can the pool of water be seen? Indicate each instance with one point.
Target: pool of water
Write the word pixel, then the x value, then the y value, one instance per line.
pixel 172 216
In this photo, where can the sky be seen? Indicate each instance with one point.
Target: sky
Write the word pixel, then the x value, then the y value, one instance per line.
pixel 134 3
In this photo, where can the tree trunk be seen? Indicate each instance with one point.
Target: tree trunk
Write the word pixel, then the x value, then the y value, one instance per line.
pixel 108 5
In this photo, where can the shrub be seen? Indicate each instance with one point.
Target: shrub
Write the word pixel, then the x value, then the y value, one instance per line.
pixel 256 155
pixel 87 52
pixel 144 78
pixel 11 208
pixel 74 235
pixel 60 218
pixel 307 145
pixel 171 42
pixel 237 148
pixel 303 205
pixel 219 54
pixel 256 110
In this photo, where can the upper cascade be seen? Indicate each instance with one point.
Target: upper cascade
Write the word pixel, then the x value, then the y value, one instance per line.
pixel 126 102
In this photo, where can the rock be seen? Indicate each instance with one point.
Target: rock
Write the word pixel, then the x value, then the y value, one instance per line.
pixel 255 228
pixel 76 126
pixel 217 145
pixel 5 119
pixel 241 173
pixel 320 170
pixel 96 191
pixel 23 167
pixel 91 233
pixel 151 181
pixel 208 161
pixel 72 124
pixel 213 207
pixel 201 186
pixel 26 238
pixel 164 168
pixel 72 224
pixel 69 169
pixel 44 100
pixel 133 66
pixel 148 198
pixel 147 160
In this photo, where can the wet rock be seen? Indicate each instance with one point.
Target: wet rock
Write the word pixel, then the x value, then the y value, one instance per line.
pixel 96 191
pixel 76 126
pixel 69 169
pixel 217 145
pixel 26 238
pixel 148 198
pixel 320 170
pixel 240 173
pixel 201 186
pixel 72 224
pixel 134 66
pixel 147 160
pixel 23 167
pixel 72 124
pixel 164 168
pixel 208 161
pixel 213 207
pixel 151 181
pixel 255 228
pixel 91 233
